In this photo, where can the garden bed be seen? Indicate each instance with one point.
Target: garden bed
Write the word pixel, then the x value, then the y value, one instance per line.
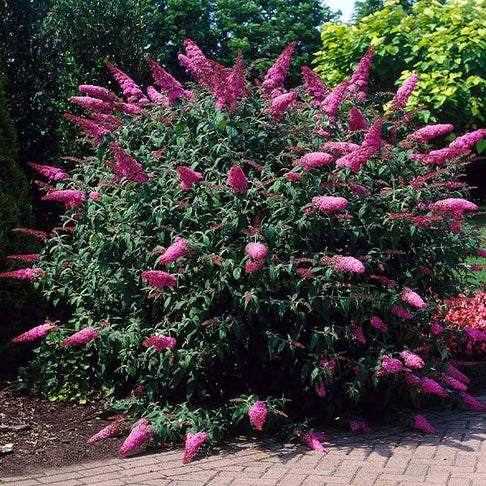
pixel 55 434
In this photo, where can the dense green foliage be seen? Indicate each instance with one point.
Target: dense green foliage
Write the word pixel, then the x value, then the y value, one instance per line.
pixel 444 43
pixel 248 327
pixel 364 8
pixel 15 211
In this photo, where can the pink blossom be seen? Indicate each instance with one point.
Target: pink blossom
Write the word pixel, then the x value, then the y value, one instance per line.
pixel 340 148
pixel 90 127
pixel 377 323
pixel 330 104
pixel 258 414
pixel 328 204
pixel 472 402
pixel 30 259
pixel 131 90
pixel 130 108
pixel 313 159
pixel 23 274
pixel 453 205
pixel 313 440
pixel 35 332
pixel 450 382
pixel 435 329
pixel 70 197
pixel 167 82
pixel 252 266
pixel 359 79
pixel 111 430
pixel 401 312
pixel 455 373
pixel 160 342
pixel 347 264
pixel 411 379
pixel 359 426
pixel 52 173
pixel 42 235
pixel 159 279
pixel 94 195
pixel 175 251
pixel 429 132
pixel 79 338
pixel 257 251
pixel 315 86
pixel 474 333
pixel 373 135
pixel 421 423
pixel 273 82
pixel 100 93
pixel 356 120
pixel 293 176
pixel 237 180
pixel 187 177
pixel 400 100
pixel 439 157
pixel 388 283
pixel 481 252
pixel 280 104
pixel 431 386
pixel 389 366
pixel 155 97
pixel 329 365
pixel 412 360
pixel 320 389
pixel 357 332
pixel 137 436
pixel 356 159
pixel 468 140
pixel 92 104
pixel 305 272
pixel 125 166
pixel 193 443
pixel 412 298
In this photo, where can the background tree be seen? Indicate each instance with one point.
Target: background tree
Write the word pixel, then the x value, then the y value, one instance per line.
pixel 364 8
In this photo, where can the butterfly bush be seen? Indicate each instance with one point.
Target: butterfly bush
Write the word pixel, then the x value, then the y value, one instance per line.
pixel 241 238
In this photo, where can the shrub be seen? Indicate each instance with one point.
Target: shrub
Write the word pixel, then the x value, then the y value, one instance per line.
pixel 444 43
pixel 238 249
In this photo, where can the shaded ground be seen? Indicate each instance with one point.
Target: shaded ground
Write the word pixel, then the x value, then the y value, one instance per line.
pixel 55 434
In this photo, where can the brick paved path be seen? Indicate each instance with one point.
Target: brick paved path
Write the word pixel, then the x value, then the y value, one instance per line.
pixel 387 457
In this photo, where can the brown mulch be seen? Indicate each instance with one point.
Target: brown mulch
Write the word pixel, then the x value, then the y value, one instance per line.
pixel 47 434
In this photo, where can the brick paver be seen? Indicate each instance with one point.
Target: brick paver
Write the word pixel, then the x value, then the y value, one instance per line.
pixel 388 457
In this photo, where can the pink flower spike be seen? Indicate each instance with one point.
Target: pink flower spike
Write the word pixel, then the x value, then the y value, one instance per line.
pixel 435 329
pixel 314 159
pixel 160 342
pixel 280 104
pixel 193 443
pixel 412 360
pixel 355 159
pixel 347 264
pixel 431 386
pixel 293 176
pixel 252 266
pixel 237 180
pixel 429 132
pixel 455 373
pixel 273 83
pixel 31 274
pixel 92 104
pixel 156 97
pixel 35 332
pixel 472 402
pixel 468 140
pixel 79 338
pixel 29 259
pixel 412 298
pixel 401 312
pixel 357 332
pixel 320 389
pixel 131 90
pixel 359 426
pixel 69 197
pixel 258 414
pixel 421 423
pixel 94 195
pixel 356 120
pixel 137 436
pixel 411 379
pixel 111 430
pixel 159 279
pixel 257 251
pixel 52 173
pixel 42 235
pixel 313 440
pixel 400 100
pixel 187 177
pixel 328 204
pixel 377 323
pixel 175 251
pixel 314 85
pixel 474 333
pixel 330 104
pixel 453 205
pixel 450 382
pixel 100 93
pixel 389 366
